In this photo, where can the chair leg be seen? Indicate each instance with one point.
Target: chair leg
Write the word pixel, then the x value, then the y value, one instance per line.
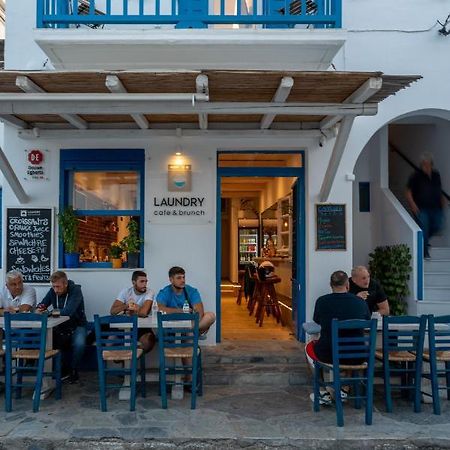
pixel 447 378
pixel 387 386
pixel 19 376
pixel 38 388
pixel 163 385
pixel 194 385
pixel 200 375
pixel 57 375
pixel 143 387
pixel 133 385
pixel 338 399
pixel 434 379
pixel 418 387
pixel 316 388
pixel 8 384
pixel 357 388
pixel 369 397
pixel 102 385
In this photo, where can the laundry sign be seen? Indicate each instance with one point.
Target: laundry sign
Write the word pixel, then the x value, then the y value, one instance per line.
pixel 36 164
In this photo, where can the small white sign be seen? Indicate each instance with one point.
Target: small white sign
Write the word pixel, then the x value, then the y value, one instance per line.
pixel 36 164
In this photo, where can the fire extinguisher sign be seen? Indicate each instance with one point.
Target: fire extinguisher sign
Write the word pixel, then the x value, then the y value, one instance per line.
pixel 36 164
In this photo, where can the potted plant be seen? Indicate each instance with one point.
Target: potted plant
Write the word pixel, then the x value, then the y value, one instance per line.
pixel 68 223
pixel 390 265
pixel 132 243
pixel 116 251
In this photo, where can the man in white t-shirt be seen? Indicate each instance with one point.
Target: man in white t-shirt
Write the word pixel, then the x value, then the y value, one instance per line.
pixel 137 299
pixel 16 296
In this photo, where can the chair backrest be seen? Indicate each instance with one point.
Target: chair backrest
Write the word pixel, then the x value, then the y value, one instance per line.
pixel 25 331
pixel 404 333
pixel 439 339
pixel 120 338
pixel 353 341
pixel 179 330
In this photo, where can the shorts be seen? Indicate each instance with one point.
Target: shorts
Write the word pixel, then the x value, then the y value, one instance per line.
pixel 144 331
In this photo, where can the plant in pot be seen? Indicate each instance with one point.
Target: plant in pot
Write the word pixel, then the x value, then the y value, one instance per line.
pixel 132 243
pixel 390 265
pixel 68 223
pixel 115 251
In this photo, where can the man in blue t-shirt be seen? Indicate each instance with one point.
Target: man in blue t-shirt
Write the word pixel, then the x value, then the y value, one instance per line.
pixel 172 298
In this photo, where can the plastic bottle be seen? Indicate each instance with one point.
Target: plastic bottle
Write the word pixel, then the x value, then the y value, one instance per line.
pixel 154 308
pixel 186 306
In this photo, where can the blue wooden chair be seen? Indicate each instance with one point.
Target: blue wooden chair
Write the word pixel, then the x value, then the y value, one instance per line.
pixel 353 346
pixel 403 338
pixel 118 345
pixel 438 354
pixel 177 343
pixel 25 355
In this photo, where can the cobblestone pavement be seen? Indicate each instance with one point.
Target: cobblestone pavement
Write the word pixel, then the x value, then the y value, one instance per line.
pixel 226 417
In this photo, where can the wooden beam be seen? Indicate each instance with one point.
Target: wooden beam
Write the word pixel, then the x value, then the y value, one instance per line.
pixel 336 156
pixel 28 85
pixel 12 179
pixel 114 84
pixel 14 121
pixel 201 83
pixel 364 92
pixel 280 96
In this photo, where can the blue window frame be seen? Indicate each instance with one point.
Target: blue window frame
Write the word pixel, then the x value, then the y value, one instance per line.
pixel 105 166
pixel 1 230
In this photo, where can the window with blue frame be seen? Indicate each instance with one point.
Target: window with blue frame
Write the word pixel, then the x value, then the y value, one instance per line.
pixel 106 190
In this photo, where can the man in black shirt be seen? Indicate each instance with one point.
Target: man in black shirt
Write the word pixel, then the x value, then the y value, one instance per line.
pixel 369 290
pixel 339 305
pixel 424 196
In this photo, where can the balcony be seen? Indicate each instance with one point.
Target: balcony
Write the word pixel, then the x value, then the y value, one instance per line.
pixel 174 34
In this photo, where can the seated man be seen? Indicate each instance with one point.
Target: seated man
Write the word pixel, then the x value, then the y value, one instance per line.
pixel 16 296
pixel 66 296
pixel 137 299
pixel 171 299
pixel 369 290
pixel 341 305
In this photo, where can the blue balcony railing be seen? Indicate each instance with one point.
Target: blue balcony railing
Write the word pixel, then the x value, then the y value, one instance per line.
pixel 190 13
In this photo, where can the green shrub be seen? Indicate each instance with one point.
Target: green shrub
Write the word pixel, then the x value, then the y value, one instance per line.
pixel 390 265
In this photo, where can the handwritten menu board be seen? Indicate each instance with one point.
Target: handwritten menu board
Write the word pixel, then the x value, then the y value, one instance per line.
pixel 29 242
pixel 330 226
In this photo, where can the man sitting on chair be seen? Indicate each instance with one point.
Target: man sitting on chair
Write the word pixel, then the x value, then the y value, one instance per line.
pixel 137 299
pixel 341 305
pixel 16 296
pixel 172 298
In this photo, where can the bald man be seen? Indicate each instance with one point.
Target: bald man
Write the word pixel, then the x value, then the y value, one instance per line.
pixel 369 290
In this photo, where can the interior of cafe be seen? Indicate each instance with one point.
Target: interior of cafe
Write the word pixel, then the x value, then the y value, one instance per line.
pixel 257 231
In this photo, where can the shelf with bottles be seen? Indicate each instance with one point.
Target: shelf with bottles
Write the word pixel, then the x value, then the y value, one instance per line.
pixel 284 225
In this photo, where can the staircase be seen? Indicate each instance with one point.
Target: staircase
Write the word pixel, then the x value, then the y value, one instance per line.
pixel 256 363
pixel 436 283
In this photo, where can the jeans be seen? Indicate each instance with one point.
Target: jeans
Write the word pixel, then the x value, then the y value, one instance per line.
pixel 72 344
pixel 431 222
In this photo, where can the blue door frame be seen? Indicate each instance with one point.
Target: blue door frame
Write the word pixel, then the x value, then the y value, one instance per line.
pixel 298 290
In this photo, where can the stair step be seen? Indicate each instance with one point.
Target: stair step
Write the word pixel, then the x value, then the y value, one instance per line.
pixel 437 265
pixel 437 293
pixel 440 253
pixel 280 375
pixel 436 279
pixel 438 308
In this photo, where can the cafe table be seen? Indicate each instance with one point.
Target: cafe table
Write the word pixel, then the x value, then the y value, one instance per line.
pixel 152 322
pixel 48 384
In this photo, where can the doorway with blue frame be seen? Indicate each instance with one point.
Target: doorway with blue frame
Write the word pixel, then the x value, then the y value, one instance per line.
pixel 260 217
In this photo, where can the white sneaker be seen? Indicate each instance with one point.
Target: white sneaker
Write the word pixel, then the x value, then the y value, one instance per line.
pixel 324 398
pixel 344 395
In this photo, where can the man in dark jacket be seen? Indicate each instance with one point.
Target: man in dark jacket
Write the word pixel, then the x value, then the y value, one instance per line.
pixel 66 296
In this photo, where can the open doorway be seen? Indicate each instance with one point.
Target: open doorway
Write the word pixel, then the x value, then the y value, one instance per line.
pixel 259 207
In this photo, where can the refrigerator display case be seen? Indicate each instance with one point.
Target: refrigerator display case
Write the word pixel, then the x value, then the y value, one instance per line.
pixel 248 244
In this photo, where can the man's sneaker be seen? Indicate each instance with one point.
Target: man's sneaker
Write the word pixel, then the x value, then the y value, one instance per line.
pixel 344 395
pixel 74 377
pixel 203 336
pixel 324 398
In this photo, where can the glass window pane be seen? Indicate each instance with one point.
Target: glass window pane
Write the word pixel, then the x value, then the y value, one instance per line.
pixel 260 160
pixel 106 190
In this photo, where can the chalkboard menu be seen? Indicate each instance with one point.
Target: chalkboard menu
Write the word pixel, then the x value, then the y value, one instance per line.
pixel 330 226
pixel 29 242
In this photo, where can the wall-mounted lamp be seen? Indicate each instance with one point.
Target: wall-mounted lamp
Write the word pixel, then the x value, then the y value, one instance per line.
pixel 179 177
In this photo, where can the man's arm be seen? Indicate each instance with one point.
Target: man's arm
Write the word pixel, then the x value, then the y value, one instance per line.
pixel 117 307
pixel 144 310
pixel 166 309
pixel 411 202
pixel 47 300
pixel 383 308
pixel 198 307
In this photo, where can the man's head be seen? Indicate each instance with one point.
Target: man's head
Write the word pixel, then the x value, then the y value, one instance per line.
pixel 177 277
pixel 361 276
pixel 59 282
pixel 426 162
pixel 339 281
pixel 139 280
pixel 14 282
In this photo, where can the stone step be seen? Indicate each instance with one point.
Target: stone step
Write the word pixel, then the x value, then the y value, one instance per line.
pixel 436 279
pixel 440 253
pixel 437 265
pixel 441 293
pixel 280 375
pixel 438 308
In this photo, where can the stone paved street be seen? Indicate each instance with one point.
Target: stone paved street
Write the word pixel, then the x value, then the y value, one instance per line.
pixel 226 417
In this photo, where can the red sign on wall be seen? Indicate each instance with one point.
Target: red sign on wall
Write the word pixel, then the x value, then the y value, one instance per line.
pixel 35 157
pixel 35 164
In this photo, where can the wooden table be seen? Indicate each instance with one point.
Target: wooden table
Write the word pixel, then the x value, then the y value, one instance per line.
pixel 48 385
pixel 152 322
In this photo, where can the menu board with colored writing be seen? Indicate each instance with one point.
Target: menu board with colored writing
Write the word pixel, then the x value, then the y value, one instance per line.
pixel 330 226
pixel 29 242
